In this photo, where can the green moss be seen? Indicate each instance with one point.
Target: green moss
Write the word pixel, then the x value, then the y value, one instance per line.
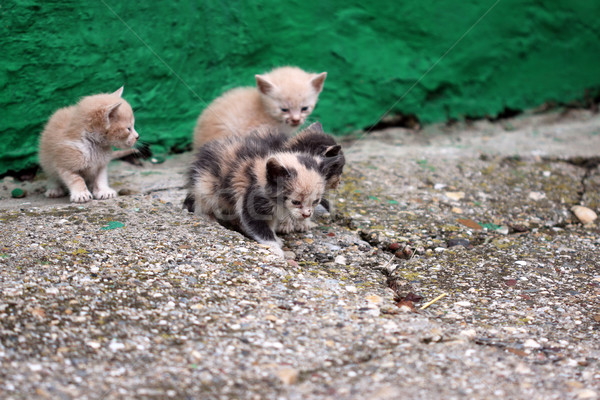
pixel 176 57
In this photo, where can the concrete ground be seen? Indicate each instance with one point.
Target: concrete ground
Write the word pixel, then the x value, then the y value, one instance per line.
pixel 136 298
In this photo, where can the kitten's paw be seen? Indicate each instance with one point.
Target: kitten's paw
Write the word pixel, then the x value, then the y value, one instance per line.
pixel 55 192
pixel 105 194
pixel 276 250
pixel 305 225
pixel 286 226
pixel 81 197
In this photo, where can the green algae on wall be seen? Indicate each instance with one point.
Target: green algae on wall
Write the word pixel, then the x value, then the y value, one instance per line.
pixel 437 60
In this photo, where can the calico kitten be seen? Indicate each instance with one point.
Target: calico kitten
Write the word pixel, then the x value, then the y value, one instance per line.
pixel 76 145
pixel 241 182
pixel 312 140
pixel 315 141
pixel 282 99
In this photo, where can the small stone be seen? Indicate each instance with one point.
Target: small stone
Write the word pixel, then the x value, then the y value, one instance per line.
pixel 18 193
pixel 469 333
pixel 289 255
pixel 519 228
pixel 288 376
pixel 293 263
pixel 458 242
pixel 116 346
pixel 340 260
pixel 584 214
pixel 309 241
pixel 532 344
pixel 374 299
pixel 394 246
pixel 536 195
pixel 127 192
pixel 521 263
pixel 455 195
pixel 157 160
pixel 35 367
pixel 94 269
pixel 503 230
pixel 587 394
pixel 94 344
pixel 351 289
pixel 457 210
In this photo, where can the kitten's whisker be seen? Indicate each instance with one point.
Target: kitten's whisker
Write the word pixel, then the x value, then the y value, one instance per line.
pixel 427 72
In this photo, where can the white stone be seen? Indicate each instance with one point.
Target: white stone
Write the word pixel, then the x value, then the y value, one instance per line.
pixel 340 260
pixel 531 344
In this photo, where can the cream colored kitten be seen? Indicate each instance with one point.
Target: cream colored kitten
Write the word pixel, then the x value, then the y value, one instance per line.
pixel 282 99
pixel 76 145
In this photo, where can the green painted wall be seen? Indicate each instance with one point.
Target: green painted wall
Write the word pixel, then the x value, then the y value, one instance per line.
pixel 470 58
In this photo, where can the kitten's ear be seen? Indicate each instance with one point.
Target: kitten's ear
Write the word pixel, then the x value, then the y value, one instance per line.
pixel 119 92
pixel 276 171
pixel 318 81
pixel 315 127
pixel 332 151
pixel 110 113
pixel 263 84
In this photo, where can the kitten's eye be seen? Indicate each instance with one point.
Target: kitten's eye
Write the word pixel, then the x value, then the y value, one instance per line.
pixel 285 109
pixel 304 109
pixel 129 129
pixel 296 202
pixel 316 202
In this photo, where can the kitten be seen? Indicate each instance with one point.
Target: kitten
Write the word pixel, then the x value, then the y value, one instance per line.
pixel 241 182
pixel 282 99
pixel 312 140
pixel 315 141
pixel 76 145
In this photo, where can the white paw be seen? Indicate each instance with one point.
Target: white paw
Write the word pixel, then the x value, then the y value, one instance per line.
pixel 55 192
pixel 275 247
pixel 304 225
pixel 277 251
pixel 81 197
pixel 103 194
pixel 285 226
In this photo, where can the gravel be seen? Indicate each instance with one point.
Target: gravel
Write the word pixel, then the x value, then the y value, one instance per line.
pixel 136 298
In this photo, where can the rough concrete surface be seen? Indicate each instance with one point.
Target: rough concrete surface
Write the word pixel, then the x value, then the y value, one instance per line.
pixel 135 298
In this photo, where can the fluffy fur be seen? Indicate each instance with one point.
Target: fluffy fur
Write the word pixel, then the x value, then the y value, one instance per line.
pixel 282 99
pixel 242 181
pixel 76 145
pixel 312 140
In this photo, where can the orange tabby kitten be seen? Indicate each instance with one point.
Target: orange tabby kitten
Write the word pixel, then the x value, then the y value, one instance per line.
pixel 282 99
pixel 76 145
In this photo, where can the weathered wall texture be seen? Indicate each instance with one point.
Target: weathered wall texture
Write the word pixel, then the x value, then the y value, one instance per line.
pixel 175 56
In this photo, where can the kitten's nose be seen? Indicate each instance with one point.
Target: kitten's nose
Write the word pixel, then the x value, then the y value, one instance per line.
pixel 306 213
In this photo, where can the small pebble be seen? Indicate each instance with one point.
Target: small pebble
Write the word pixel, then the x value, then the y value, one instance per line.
pixel 458 242
pixel 531 344
pixel 340 260
pixel 536 195
pixel 18 193
pixel 584 214
pixel 288 376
